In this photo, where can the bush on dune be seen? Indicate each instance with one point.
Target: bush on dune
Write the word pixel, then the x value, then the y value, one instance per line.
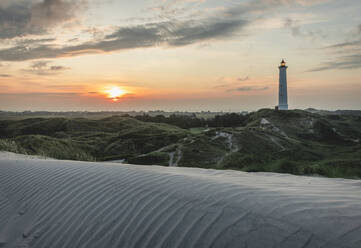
pixel 11 146
pixel 52 147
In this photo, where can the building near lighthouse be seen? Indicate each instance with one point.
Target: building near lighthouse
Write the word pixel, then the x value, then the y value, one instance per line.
pixel 282 93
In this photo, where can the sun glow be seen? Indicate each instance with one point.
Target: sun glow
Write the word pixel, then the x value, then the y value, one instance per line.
pixel 115 93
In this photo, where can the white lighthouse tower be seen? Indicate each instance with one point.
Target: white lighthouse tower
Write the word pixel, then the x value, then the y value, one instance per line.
pixel 282 94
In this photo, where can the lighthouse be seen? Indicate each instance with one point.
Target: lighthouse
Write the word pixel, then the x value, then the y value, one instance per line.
pixel 282 94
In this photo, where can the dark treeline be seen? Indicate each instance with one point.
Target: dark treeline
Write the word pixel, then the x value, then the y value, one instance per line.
pixel 190 121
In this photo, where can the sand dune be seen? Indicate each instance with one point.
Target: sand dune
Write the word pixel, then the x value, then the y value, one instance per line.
pixel 50 203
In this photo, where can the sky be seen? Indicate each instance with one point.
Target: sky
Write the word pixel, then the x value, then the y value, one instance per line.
pixel 186 55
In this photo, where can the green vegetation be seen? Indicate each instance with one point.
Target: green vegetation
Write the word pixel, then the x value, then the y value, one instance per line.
pixel 11 146
pixel 296 142
pixel 192 121
pixel 152 158
pixel 83 139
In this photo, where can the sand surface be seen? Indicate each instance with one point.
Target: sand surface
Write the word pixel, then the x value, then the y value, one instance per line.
pixel 53 203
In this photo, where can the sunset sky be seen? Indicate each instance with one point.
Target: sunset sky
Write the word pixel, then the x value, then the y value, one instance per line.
pixel 61 55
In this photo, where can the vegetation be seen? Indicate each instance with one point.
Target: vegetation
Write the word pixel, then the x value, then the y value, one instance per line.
pixel 11 146
pixel 192 121
pixel 296 142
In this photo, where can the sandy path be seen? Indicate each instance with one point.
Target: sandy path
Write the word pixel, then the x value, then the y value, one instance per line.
pixel 52 203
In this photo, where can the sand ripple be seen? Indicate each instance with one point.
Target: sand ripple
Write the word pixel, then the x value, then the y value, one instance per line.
pixel 49 203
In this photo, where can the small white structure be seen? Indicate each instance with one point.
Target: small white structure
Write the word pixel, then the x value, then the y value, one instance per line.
pixel 282 94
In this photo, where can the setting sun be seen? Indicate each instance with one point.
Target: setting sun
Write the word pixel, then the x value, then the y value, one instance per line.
pixel 115 93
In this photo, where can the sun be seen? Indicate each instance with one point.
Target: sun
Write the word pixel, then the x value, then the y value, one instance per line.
pixel 115 93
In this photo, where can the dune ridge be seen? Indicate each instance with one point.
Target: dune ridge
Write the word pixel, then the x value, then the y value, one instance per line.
pixel 50 203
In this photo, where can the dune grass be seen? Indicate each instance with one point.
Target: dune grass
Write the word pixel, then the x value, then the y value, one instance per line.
pixel 295 142
pixel 10 145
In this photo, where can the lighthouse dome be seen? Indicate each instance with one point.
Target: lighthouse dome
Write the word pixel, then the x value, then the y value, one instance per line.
pixel 283 63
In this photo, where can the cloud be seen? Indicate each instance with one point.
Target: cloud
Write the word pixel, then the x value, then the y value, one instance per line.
pixel 22 18
pixel 28 42
pixel 350 56
pixel 172 32
pixel 49 13
pixel 57 68
pixel 14 20
pixel 249 88
pixel 260 7
pixel 348 44
pixel 140 36
pixel 73 40
pixel 295 27
pixel 40 64
pixel 242 79
pixel 230 82
pixel 44 68
pixel 49 94
pixel 5 75
pixel 341 63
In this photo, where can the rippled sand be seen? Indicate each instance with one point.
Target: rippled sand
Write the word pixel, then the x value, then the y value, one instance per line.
pixel 53 203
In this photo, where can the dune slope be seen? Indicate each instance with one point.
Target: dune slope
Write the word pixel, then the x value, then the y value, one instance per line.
pixel 49 203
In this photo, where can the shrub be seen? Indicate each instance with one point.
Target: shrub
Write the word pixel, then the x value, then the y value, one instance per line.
pixel 11 146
